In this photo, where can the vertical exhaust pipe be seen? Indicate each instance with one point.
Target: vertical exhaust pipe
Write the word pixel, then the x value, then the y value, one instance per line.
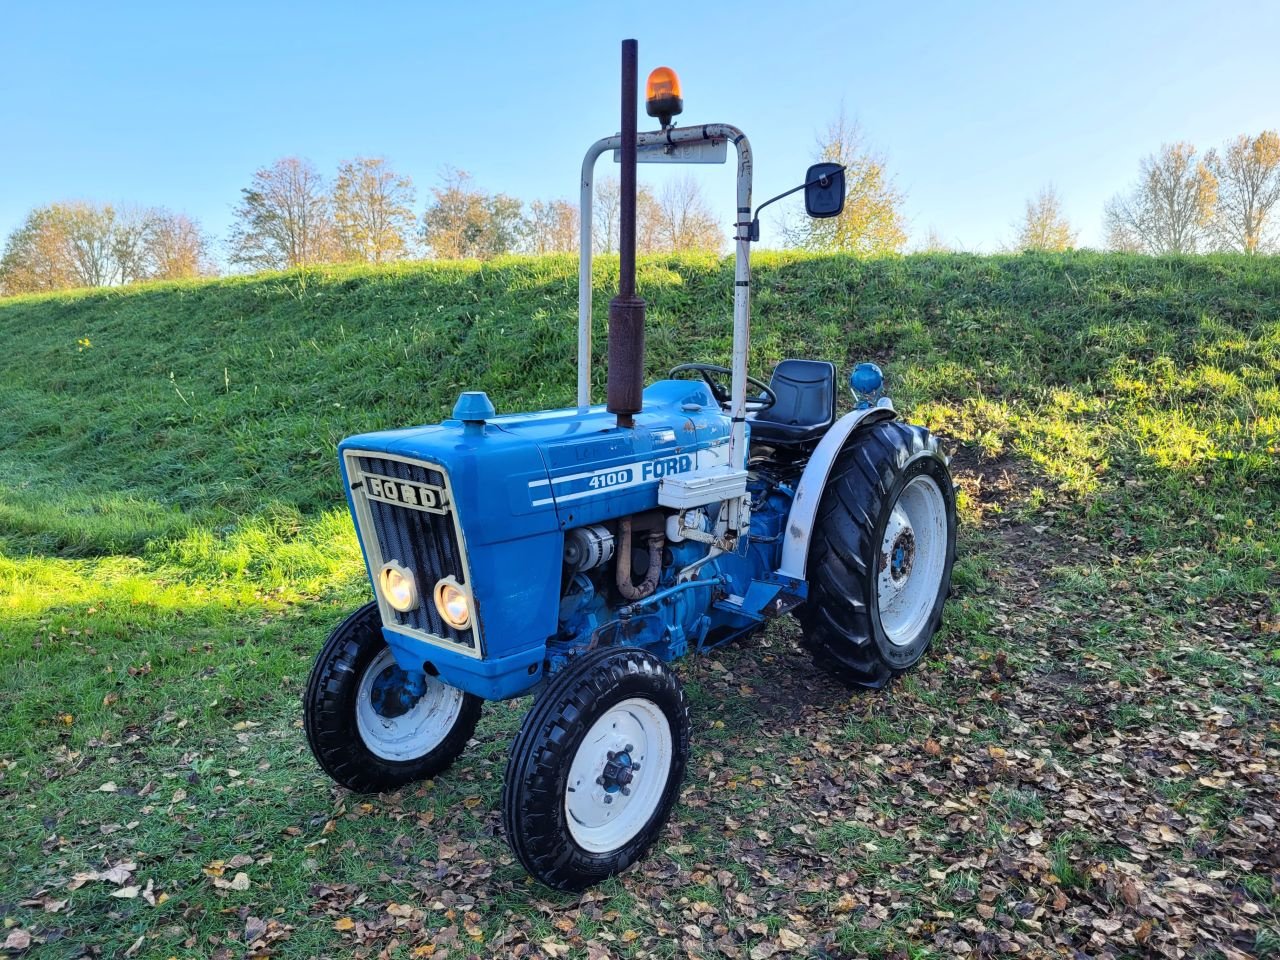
pixel 626 311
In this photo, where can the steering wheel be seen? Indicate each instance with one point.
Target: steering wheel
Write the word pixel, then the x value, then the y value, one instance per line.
pixel 710 371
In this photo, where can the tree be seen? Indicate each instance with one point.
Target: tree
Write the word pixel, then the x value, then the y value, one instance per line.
pixel 1044 227
pixel 91 245
pixel 872 220
pixel 552 227
pixel 1170 208
pixel 1248 175
pixel 36 257
pixel 89 232
pixel 373 210
pixel 284 218
pixel 463 222
pixel 933 243
pixel 606 208
pixel 606 216
pixel 176 247
pixel 682 219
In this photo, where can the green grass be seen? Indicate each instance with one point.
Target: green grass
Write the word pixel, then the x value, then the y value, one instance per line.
pixel 174 547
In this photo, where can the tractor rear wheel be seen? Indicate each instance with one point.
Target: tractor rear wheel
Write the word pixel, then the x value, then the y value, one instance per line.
pixel 880 556
pixel 596 767
pixel 366 729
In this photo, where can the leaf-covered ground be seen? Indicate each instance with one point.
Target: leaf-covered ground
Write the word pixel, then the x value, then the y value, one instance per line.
pixel 1087 764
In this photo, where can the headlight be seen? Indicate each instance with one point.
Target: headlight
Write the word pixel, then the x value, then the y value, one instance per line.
pixel 452 602
pixel 398 587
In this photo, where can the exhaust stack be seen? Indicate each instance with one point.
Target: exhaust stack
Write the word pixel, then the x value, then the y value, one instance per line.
pixel 626 310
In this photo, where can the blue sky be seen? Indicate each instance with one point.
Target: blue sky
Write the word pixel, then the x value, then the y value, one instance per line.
pixel 974 106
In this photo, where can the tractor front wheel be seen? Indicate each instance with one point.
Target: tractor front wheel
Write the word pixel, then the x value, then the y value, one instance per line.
pixel 596 767
pixel 368 728
pixel 880 556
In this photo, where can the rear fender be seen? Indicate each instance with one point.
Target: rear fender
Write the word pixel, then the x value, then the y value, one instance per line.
pixel 804 508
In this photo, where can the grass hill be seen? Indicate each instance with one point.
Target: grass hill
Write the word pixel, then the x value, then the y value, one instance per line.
pixel 174 547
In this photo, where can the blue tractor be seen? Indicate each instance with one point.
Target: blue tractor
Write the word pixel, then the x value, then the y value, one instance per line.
pixel 576 554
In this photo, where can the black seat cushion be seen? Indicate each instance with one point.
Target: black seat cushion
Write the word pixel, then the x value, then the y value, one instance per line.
pixel 806 405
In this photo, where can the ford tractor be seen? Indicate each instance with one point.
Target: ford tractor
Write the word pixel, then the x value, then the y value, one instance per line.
pixel 576 554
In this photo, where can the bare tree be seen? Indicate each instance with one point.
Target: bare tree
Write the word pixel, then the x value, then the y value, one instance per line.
pixel 651 232
pixel 1170 209
pixel 129 235
pixel 1248 175
pixel 606 212
pixel 89 233
pixel 552 227
pixel 606 208
pixel 683 219
pixel 872 220
pixel 284 218
pixel 933 243
pixel 463 222
pixel 1044 227
pixel 373 210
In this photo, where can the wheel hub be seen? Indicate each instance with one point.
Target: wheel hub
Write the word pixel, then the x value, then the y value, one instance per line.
pixel 619 771
pixel 902 555
pixel 391 696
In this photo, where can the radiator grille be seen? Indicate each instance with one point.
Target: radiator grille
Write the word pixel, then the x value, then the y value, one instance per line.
pixel 425 541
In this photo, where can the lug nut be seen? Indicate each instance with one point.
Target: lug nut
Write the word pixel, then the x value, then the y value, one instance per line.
pixel 600 780
pixel 608 798
pixel 629 748
pixel 625 791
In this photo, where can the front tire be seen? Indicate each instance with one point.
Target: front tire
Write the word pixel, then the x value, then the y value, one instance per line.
pixel 596 767
pixel 880 557
pixel 362 731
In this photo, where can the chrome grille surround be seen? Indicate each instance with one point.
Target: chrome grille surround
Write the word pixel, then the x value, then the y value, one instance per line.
pixel 414 522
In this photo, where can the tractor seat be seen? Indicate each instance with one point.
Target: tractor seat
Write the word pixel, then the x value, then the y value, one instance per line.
pixel 806 405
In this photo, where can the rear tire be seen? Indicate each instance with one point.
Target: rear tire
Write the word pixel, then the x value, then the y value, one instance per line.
pixel 361 736
pixel 596 767
pixel 880 557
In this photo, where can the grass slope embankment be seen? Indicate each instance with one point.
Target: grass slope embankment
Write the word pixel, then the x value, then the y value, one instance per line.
pixel 1088 757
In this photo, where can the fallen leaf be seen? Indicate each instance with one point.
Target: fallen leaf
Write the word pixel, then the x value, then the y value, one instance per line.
pixel 254 927
pixel 80 879
pixel 127 893
pixel 18 939
pixel 118 874
pixel 790 940
pixel 108 787
pixel 344 924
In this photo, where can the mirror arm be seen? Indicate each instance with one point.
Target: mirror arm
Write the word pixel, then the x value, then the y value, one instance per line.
pixel 755 220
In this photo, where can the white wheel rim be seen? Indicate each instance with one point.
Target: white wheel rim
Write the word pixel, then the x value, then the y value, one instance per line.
pixel 601 816
pixel 417 731
pixel 911 560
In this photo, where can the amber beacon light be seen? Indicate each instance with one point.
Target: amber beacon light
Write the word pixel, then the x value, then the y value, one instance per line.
pixel 662 95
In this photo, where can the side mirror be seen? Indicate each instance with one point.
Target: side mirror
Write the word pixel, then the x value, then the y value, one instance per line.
pixel 824 190
pixel 823 195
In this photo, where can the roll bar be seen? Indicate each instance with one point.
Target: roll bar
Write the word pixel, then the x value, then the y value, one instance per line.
pixel 742 264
